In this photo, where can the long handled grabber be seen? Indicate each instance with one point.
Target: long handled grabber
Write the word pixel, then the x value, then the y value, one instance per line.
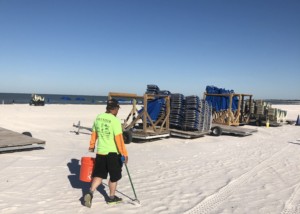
pixel 131 184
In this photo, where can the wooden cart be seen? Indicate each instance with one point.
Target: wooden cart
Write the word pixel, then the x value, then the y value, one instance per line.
pixel 139 122
pixel 230 117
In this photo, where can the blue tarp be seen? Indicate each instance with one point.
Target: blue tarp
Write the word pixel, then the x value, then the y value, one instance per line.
pixel 154 108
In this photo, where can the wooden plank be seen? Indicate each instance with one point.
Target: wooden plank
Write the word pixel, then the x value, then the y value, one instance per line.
pixel 123 95
pixel 14 140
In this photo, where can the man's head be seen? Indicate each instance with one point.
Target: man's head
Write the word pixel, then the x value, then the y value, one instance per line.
pixel 112 106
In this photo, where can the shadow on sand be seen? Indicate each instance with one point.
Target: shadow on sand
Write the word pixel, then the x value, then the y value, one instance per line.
pixel 74 168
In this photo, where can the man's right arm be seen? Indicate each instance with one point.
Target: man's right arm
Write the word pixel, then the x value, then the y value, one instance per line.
pixel 93 139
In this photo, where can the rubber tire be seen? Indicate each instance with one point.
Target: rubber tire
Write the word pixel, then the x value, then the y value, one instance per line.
pixel 216 131
pixel 27 134
pixel 258 123
pixel 127 135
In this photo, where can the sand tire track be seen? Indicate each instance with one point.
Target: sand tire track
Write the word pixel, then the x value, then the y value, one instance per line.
pixel 292 206
pixel 219 197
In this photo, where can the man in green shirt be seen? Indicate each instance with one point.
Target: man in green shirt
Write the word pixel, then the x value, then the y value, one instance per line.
pixel 107 131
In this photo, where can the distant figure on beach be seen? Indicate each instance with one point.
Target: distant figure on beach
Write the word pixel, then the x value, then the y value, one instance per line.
pixel 111 152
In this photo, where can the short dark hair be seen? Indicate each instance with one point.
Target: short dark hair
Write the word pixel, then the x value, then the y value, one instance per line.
pixel 112 104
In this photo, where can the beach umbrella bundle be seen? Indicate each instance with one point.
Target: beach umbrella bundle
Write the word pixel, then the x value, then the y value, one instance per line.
pixel 155 108
pixel 220 103
pixel 177 110
pixel 163 109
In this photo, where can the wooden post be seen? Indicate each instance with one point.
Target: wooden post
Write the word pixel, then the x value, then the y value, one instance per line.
pixel 145 113
pixel 230 109
pixel 238 111
pixel 168 110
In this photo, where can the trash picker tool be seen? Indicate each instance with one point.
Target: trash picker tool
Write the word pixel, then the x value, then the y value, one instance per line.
pixel 131 184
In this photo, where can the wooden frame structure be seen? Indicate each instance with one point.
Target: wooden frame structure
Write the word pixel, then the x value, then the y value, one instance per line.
pixel 228 117
pixel 150 129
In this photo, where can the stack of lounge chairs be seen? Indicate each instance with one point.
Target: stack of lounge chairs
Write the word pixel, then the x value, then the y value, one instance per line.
pixel 177 110
pixel 190 113
pixel 152 89
pixel 264 109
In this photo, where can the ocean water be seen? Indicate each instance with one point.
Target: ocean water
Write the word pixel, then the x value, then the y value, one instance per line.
pixel 283 102
pixel 20 98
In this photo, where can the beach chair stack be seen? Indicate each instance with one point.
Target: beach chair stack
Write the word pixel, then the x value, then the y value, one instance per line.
pixel 152 89
pixel 260 107
pixel 192 114
pixel 164 92
pixel 205 116
pixel 265 111
pixel 277 115
pixel 177 105
pixel 248 106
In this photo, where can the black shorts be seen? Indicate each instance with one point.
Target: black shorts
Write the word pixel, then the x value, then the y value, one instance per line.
pixel 105 164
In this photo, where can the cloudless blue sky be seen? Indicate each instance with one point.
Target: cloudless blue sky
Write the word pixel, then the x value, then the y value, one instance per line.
pixel 92 47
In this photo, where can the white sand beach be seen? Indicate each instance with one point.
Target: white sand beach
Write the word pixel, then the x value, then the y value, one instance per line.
pixel 226 174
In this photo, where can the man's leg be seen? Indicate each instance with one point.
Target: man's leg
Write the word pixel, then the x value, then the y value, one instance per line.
pixel 115 175
pixel 95 183
pixel 112 188
pixel 113 199
pixel 89 196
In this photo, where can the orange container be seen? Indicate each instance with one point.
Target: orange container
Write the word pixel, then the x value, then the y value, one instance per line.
pixel 86 169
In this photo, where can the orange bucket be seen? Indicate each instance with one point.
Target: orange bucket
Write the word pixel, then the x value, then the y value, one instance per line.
pixel 86 169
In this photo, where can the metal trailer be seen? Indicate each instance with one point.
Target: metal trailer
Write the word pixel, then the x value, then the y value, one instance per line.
pixel 188 134
pixel 218 129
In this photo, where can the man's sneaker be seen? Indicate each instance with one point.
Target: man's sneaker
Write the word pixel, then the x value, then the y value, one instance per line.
pixel 114 200
pixel 88 200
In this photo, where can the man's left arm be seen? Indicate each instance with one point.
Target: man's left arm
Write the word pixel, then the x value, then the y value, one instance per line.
pixel 121 146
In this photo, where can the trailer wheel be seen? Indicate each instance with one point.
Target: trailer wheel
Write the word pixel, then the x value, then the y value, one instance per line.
pixel 259 123
pixel 27 134
pixel 127 135
pixel 216 131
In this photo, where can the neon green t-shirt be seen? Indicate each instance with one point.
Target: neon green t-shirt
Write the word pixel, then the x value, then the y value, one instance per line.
pixel 107 127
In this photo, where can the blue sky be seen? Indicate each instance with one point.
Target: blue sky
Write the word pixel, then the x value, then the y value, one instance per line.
pixel 92 47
